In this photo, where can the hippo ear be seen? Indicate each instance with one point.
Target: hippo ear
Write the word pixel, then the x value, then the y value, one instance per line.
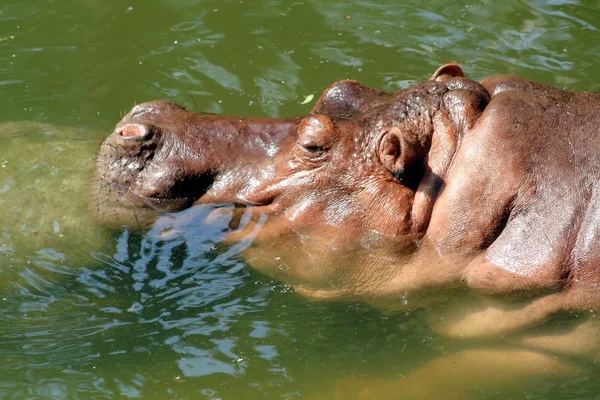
pixel 447 71
pixel 390 152
pixel 396 153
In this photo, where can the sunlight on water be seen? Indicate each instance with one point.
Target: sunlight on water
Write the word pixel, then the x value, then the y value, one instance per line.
pixel 172 312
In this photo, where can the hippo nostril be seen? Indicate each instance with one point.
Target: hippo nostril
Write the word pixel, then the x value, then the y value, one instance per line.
pixel 133 131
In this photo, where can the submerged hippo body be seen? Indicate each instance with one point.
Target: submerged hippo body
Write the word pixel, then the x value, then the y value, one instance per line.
pixel 485 189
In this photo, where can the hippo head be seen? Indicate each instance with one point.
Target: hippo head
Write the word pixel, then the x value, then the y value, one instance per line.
pixel 330 202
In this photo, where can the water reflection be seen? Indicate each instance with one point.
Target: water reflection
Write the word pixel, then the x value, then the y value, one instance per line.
pixel 167 301
pixel 87 313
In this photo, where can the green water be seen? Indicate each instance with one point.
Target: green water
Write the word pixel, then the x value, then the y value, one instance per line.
pixel 86 313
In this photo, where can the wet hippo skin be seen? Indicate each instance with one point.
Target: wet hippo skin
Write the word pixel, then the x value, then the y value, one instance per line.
pixel 479 201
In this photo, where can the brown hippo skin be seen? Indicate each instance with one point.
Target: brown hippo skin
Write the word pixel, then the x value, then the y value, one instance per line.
pixel 477 201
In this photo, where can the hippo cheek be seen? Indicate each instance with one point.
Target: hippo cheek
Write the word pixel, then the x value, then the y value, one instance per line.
pixel 270 242
pixel 274 247
pixel 309 256
pixel 320 240
pixel 329 264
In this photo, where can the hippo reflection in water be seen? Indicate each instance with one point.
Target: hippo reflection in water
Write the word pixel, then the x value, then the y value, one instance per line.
pixel 479 201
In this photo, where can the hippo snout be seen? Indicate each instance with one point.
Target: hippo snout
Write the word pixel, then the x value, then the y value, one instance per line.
pixel 162 158
pixel 144 168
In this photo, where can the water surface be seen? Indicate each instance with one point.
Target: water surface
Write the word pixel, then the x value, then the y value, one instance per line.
pixel 87 313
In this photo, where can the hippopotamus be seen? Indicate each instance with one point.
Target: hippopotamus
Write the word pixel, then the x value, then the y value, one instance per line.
pixel 476 201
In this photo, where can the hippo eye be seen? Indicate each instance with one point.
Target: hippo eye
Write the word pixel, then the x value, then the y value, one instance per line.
pixel 313 149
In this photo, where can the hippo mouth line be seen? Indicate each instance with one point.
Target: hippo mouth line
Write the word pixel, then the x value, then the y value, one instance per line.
pixel 116 202
pixel 191 191
pixel 152 203
pixel 134 209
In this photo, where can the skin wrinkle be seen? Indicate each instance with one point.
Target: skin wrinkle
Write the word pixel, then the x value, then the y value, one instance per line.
pixel 569 260
pixel 568 243
pixel 585 269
